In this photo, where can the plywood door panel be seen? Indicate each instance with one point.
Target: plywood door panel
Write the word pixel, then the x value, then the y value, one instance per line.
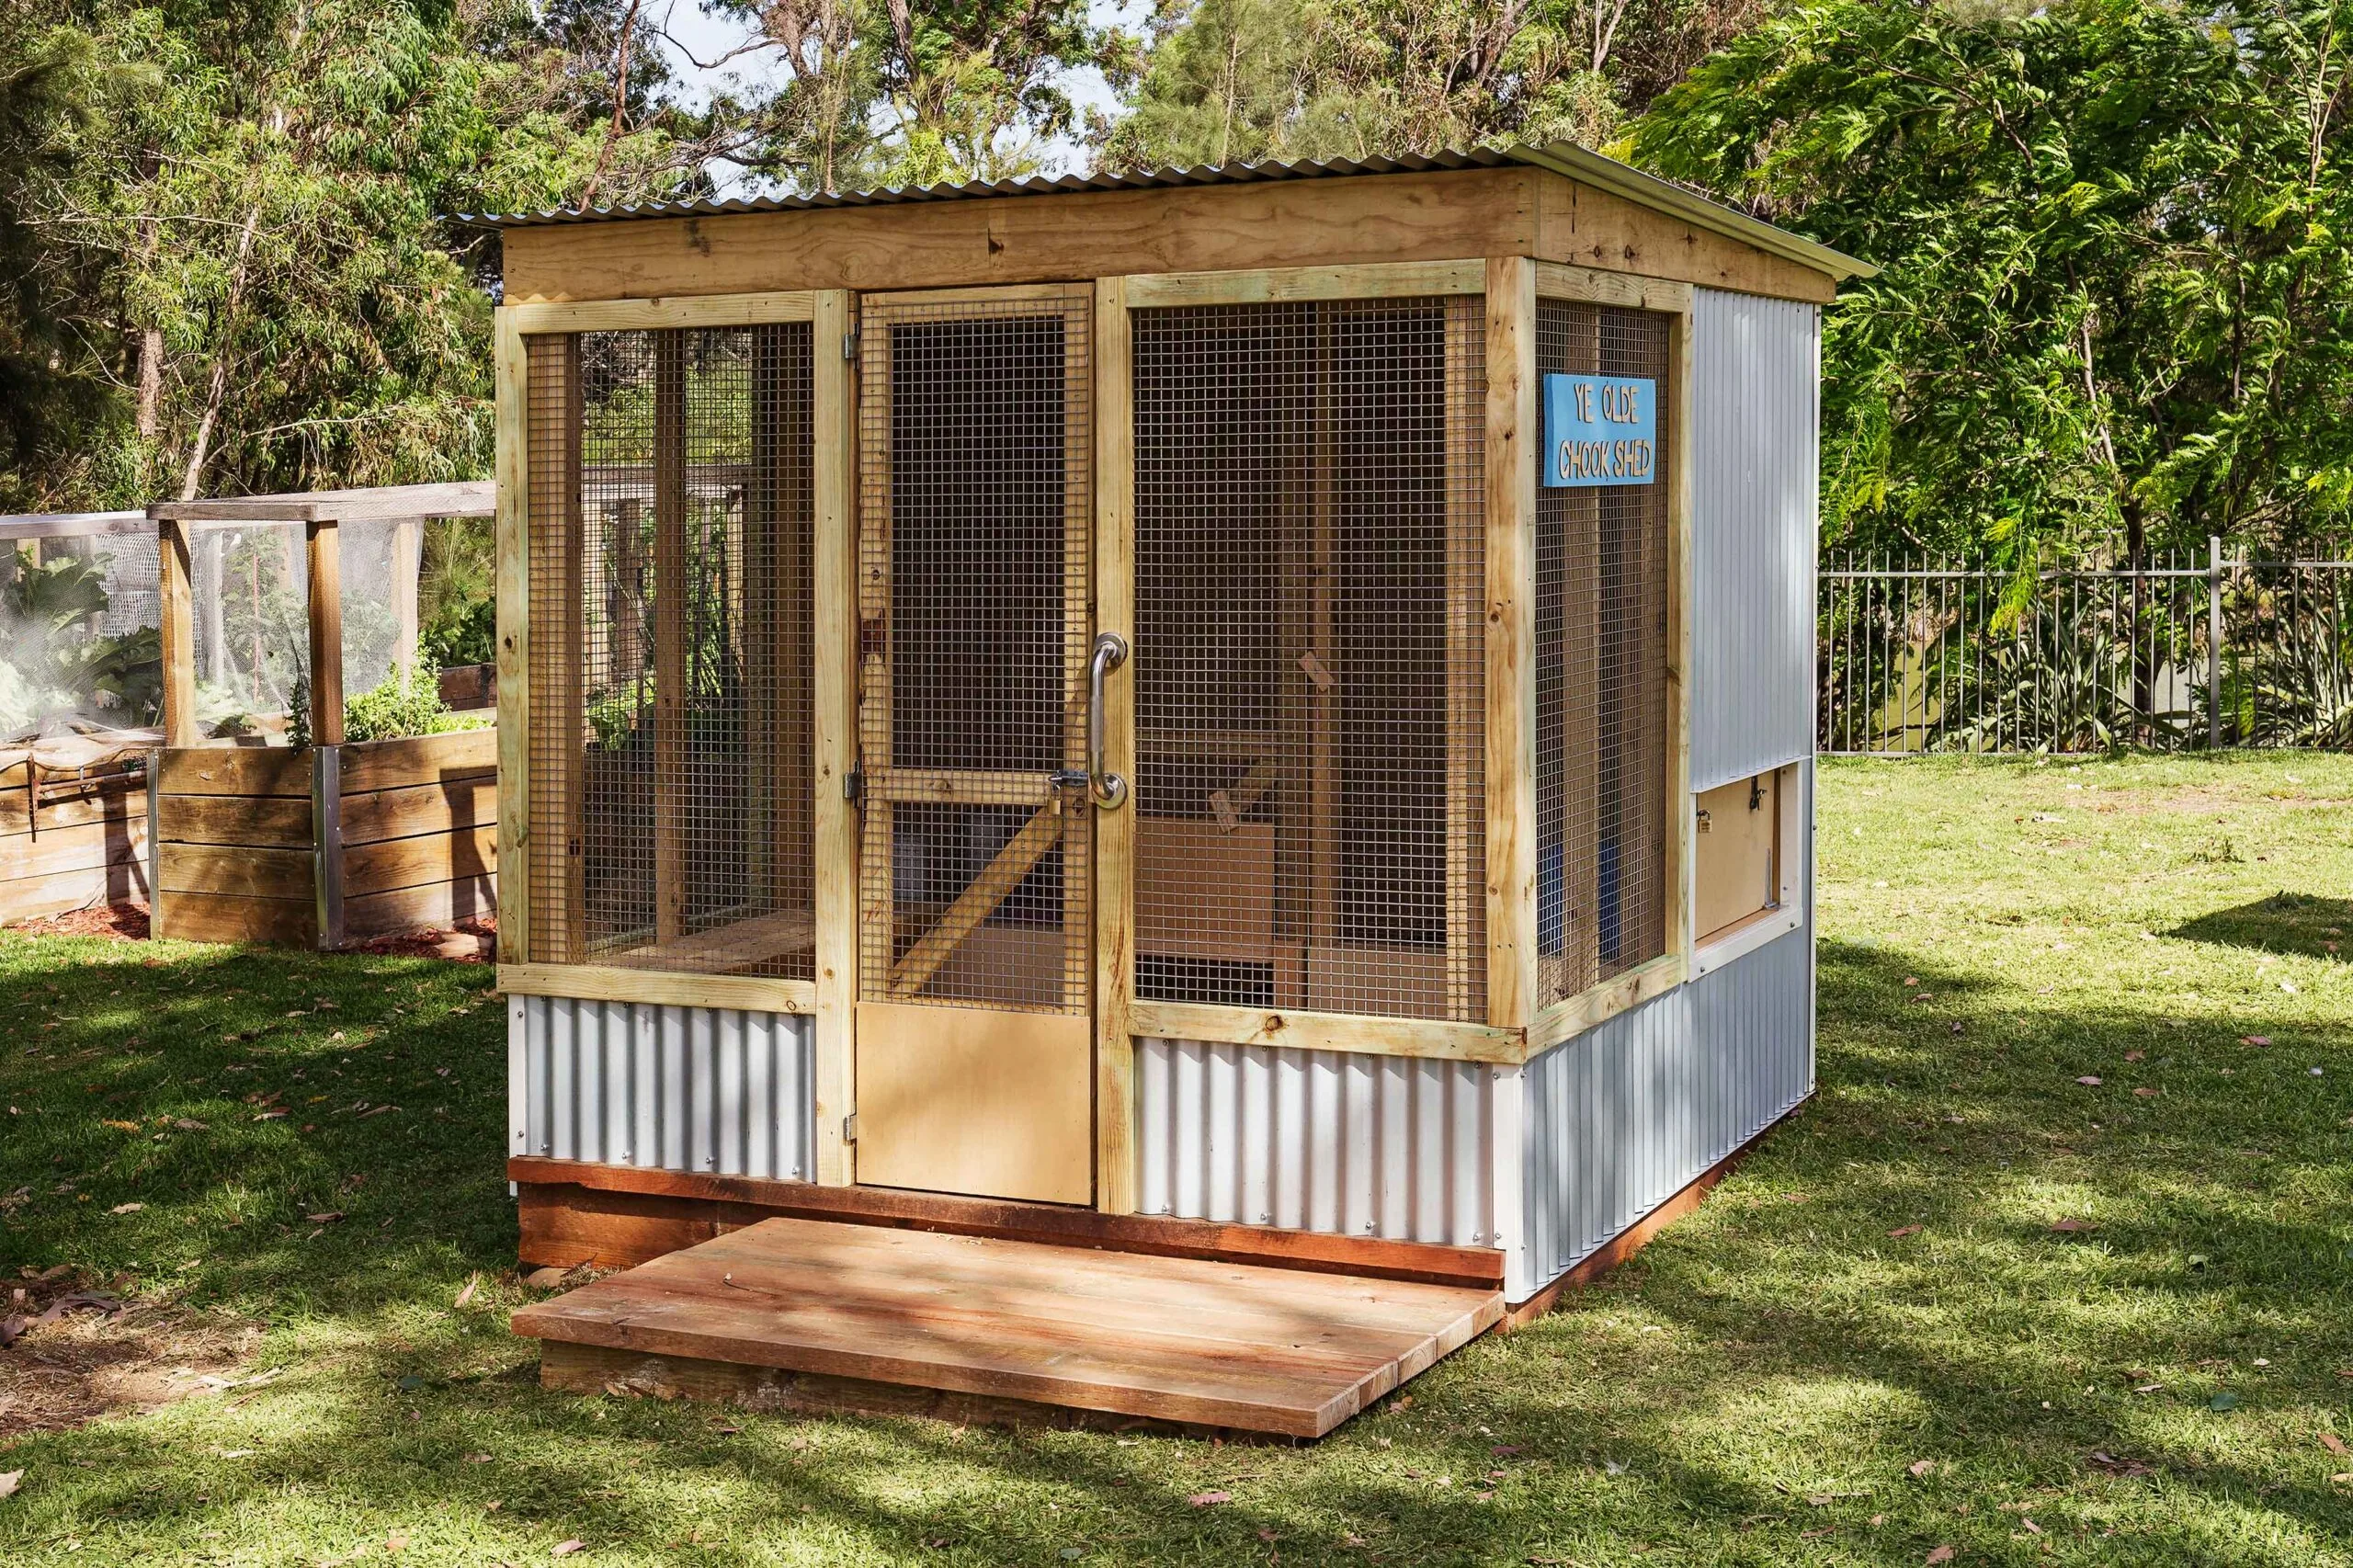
pixel 971 1099
pixel 1736 866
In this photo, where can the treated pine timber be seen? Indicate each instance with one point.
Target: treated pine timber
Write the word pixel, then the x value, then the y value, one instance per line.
pixel 617 1216
pixel 280 771
pixel 672 597
pixel 1164 1338
pixel 419 759
pixel 1435 216
pixel 1116 1177
pixel 256 822
pixel 511 380
pixel 833 702
pixel 176 614
pixel 1379 280
pixel 409 909
pixel 231 917
pixel 656 315
pixel 586 1369
pixel 417 809
pixel 608 982
pixel 1599 1004
pixel 1513 419
pixel 388 503
pixel 395 863
pixel 1438 1038
pixel 323 549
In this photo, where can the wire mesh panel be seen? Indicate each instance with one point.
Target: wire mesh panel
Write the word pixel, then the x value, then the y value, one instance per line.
pixel 1601 725
pixel 972 569
pixel 670 532
pixel 1309 664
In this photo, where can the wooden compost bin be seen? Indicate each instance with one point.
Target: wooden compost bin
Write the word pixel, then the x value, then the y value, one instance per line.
pixel 331 843
pixel 319 845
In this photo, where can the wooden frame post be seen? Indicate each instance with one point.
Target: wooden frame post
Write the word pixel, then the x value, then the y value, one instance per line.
pixel 1115 831
pixel 408 564
pixel 1513 426
pixel 512 367
pixel 834 654
pixel 323 542
pixel 1681 825
pixel 178 629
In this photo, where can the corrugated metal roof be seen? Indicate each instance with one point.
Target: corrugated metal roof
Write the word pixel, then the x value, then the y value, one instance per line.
pixel 1566 158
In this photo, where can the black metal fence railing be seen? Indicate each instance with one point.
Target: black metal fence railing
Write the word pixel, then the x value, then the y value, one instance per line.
pixel 1921 655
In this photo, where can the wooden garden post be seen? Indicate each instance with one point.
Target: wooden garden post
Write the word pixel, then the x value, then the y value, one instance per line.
pixel 325 549
pixel 178 629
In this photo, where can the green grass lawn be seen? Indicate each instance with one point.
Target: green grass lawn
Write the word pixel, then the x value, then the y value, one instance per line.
pixel 1870 1346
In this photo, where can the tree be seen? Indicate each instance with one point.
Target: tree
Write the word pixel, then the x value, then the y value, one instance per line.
pixel 247 278
pixel 2117 302
pixel 1236 80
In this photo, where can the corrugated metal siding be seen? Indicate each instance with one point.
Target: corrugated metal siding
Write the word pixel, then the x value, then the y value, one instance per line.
pixel 681 1088
pixel 1755 430
pixel 1619 1119
pixel 1316 1141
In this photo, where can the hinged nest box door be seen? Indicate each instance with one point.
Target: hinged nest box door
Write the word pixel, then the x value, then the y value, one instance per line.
pixel 974 1054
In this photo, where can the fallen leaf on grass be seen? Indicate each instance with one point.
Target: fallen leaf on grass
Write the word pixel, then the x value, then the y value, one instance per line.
pixel 189 1124
pixel 2109 1464
pixel 2088 1081
pixel 2144 1093
pixel 2254 1040
pixel 397 1542
pixel 2332 1442
pixel 126 1208
pixel 468 1293
pixel 545 1279
pixel 270 1115
pixel 1210 1499
pixel 566 1548
pixel 120 1126
pixel 1921 1467
pixel 9 1481
pixel 2136 1056
pixel 2073 1227
pixel 328 1218
pixel 1942 1554
pixel 1901 1231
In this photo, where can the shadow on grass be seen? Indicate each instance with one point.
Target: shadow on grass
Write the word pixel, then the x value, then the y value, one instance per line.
pixel 1986 1334
pixel 2283 923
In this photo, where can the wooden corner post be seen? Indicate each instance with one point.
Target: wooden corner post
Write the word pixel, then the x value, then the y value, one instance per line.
pixel 835 652
pixel 512 364
pixel 324 544
pixel 173 558
pixel 1513 433
pixel 1115 830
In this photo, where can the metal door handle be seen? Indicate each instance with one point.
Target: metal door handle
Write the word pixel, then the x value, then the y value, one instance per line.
pixel 1111 652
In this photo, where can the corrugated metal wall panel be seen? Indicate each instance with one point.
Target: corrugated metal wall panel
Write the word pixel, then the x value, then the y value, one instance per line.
pixel 1755 430
pixel 1317 1141
pixel 1624 1117
pixel 681 1088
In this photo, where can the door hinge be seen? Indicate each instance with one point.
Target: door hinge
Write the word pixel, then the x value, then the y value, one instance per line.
pixel 854 784
pixel 850 1127
pixel 849 344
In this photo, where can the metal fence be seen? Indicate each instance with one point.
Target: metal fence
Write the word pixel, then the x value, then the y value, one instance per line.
pixel 1917 654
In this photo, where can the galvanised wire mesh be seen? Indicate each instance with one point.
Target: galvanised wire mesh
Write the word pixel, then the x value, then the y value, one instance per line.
pixel 671 597
pixel 974 529
pixel 1601 558
pixel 1309 657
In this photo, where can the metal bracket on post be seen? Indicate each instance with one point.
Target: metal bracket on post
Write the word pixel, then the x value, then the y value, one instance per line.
pixel 326 842
pixel 155 842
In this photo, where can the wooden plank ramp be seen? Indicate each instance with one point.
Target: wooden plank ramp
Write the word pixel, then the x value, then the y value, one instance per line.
pixel 1240 1347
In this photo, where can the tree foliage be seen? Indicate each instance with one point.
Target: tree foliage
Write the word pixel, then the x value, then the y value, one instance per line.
pixel 226 222
pixel 2117 299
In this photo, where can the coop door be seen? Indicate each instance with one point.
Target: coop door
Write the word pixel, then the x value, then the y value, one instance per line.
pixel 975 1041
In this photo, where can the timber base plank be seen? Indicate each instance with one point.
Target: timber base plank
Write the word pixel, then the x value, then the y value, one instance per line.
pixel 1271 1350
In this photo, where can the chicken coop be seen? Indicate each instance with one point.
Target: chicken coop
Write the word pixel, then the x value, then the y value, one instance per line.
pixel 1256 722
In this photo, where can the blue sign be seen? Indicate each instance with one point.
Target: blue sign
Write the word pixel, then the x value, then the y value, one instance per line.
pixel 1600 430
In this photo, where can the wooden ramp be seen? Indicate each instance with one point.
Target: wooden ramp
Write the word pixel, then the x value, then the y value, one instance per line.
pixel 1226 1345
